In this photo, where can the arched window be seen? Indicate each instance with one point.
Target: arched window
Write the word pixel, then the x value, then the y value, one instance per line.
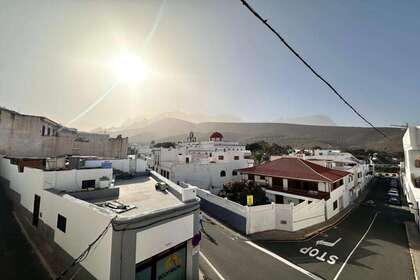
pixel 222 173
pixel 234 172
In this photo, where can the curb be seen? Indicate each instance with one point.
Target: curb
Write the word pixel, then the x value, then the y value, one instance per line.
pixel 411 252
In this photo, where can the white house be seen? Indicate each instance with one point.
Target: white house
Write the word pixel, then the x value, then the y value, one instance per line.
pixel 138 231
pixel 411 170
pixel 208 164
pixel 293 180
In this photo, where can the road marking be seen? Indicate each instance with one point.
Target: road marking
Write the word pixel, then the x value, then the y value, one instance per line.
pixel 355 247
pixel 326 243
pixel 212 266
pixel 292 265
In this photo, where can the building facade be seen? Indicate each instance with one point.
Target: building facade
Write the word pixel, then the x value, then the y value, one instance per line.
pixel 411 170
pixel 127 230
pixel 207 165
pixel 293 180
pixel 37 136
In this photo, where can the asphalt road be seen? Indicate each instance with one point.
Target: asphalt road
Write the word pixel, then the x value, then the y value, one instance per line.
pixel 17 259
pixel 233 258
pixel 370 243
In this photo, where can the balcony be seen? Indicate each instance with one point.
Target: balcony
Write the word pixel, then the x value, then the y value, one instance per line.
pixel 306 193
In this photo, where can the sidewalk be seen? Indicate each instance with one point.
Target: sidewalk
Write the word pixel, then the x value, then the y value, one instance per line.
pixel 306 233
pixel 413 237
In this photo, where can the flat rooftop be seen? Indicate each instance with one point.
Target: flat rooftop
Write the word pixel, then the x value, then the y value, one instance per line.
pixel 137 195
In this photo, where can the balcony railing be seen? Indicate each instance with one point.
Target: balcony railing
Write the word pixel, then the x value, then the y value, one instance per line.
pixel 309 193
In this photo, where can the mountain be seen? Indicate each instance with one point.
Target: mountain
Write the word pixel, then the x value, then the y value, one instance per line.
pixel 300 136
pixel 309 120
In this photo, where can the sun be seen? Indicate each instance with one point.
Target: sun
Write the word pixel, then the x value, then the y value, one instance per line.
pixel 129 68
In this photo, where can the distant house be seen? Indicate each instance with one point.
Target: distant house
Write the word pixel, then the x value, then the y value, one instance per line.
pixel 293 180
pixel 206 164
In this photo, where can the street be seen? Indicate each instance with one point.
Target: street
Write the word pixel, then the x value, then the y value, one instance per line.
pixel 370 243
pixel 18 260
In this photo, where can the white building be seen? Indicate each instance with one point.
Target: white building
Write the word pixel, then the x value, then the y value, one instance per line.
pixel 293 180
pixel 208 164
pixel 411 169
pixel 335 159
pixel 145 233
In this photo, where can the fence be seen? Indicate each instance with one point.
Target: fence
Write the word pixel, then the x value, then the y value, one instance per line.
pixel 254 219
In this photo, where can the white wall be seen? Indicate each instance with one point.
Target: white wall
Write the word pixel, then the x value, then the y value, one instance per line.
pixel 223 202
pixel 71 180
pixel 305 215
pixel 84 224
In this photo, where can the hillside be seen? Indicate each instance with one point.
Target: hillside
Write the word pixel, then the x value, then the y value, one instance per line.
pixel 303 136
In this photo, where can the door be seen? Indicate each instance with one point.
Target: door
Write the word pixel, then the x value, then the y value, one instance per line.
pixel 35 217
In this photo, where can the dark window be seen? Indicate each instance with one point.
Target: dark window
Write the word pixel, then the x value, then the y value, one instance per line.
pixel 236 157
pixel 234 173
pixel 221 157
pixel 262 177
pixel 61 223
pixel 417 163
pixel 251 177
pixel 48 131
pixel 43 130
pixel 335 204
pixel 187 160
pixel 277 181
pixel 88 184
pixel 222 173
pixel 211 155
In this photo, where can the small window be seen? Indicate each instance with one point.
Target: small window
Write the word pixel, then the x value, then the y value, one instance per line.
pixel 43 130
pixel 234 173
pixel 86 184
pixel 221 157
pixel 187 160
pixel 262 177
pixel 335 204
pixel 61 223
pixel 222 173
pixel 417 163
pixel 236 157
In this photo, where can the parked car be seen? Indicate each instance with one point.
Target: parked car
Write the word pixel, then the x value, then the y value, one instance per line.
pixel 370 203
pixel 394 200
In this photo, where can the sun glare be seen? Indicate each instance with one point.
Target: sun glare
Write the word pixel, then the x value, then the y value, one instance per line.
pixel 129 68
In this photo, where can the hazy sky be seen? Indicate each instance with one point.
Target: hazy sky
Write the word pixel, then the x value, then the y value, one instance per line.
pixel 212 57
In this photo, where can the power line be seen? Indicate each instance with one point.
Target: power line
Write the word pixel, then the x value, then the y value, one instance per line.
pixel 86 252
pixel 264 21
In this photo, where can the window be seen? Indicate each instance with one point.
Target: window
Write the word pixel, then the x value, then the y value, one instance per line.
pixel 86 184
pixel 222 173
pixel 61 223
pixel 236 157
pixel 335 205
pixel 262 177
pixel 234 173
pixel 221 157
pixel 48 131
pixel 170 264
pixel 43 130
pixel 187 160
pixel 417 162
pixel 251 177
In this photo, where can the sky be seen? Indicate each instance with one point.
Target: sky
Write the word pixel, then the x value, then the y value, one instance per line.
pixel 211 57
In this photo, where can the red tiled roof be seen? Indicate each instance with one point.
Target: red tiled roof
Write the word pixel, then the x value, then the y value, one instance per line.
pixel 296 168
